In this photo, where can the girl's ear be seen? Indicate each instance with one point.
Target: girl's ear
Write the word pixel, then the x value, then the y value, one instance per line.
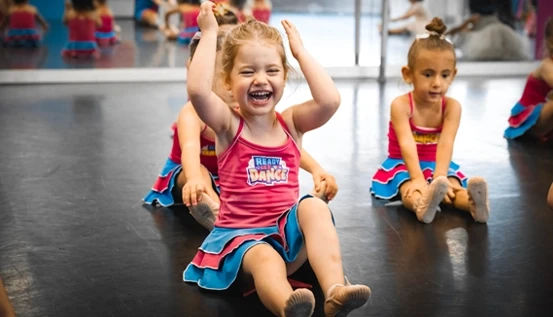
pixel 226 82
pixel 406 73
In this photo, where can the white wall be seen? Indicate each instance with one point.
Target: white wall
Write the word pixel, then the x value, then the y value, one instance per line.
pixel 122 8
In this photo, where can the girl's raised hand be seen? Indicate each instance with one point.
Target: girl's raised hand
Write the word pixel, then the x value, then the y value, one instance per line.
pixel 296 45
pixel 206 18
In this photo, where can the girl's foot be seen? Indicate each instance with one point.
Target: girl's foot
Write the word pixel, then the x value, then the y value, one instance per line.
pixel 205 212
pixel 342 299
pixel 301 303
pixel 430 200
pixel 478 199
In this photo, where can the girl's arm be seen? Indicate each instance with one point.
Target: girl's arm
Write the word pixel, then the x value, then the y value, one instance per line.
pixel 410 12
pixel 169 13
pixel 452 118
pixel 189 129
pixel 314 113
pixel 210 108
pixel 308 163
pixel 67 12
pixel 42 21
pixel 468 22
pixel 546 71
pixel 400 122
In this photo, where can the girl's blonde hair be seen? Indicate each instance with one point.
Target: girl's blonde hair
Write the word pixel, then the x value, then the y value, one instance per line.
pixel 251 31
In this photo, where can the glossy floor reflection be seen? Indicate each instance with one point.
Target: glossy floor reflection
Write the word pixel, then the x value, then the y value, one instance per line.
pixel 76 240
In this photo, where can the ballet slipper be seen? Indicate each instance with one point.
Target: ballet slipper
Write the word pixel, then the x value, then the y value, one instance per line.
pixel 342 299
pixel 205 212
pixel 479 205
pixel 429 202
pixel 301 303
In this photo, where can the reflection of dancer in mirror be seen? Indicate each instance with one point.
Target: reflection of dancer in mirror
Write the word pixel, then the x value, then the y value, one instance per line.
pixel 81 19
pixel 21 19
pixel 417 10
pixel 147 11
pixel 422 131
pixel 6 308
pixel 106 34
pixel 533 113
pixel 189 10
pixel 263 229
pixel 259 10
pixel 484 37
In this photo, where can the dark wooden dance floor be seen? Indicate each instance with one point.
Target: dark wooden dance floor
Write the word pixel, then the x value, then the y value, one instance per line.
pixel 75 239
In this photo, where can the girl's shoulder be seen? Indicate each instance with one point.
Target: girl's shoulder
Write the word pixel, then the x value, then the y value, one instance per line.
pixel 185 7
pixel 105 10
pixel 401 101
pixel 30 8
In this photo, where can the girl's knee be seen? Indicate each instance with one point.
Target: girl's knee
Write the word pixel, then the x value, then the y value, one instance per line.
pixel 260 254
pixel 313 208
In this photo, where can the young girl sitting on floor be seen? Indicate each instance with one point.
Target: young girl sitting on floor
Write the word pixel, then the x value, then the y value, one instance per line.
pixel 422 132
pixel 21 19
pixel 186 173
pixel 532 115
pixel 261 227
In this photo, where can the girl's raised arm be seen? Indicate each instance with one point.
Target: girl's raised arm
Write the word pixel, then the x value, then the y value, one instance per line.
pixel 210 108
pixel 314 113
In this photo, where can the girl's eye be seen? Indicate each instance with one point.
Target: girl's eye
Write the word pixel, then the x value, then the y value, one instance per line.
pixel 247 72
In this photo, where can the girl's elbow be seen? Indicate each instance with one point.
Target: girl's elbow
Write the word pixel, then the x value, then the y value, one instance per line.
pixel 334 103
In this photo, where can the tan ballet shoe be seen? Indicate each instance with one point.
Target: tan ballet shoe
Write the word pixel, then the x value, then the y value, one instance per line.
pixel 301 303
pixel 430 200
pixel 342 299
pixel 479 205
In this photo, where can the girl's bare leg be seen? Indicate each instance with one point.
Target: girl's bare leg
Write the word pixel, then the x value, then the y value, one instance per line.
pixel 474 199
pixel 544 125
pixel 323 252
pixel 268 270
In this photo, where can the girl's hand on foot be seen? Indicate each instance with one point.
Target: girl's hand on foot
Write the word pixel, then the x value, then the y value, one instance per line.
pixel 417 185
pixel 192 191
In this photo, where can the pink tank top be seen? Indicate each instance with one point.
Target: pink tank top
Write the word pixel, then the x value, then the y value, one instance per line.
pixel 107 24
pixel 22 20
pixel 535 91
pixel 190 18
pixel 425 138
pixel 82 30
pixel 208 156
pixel 258 184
